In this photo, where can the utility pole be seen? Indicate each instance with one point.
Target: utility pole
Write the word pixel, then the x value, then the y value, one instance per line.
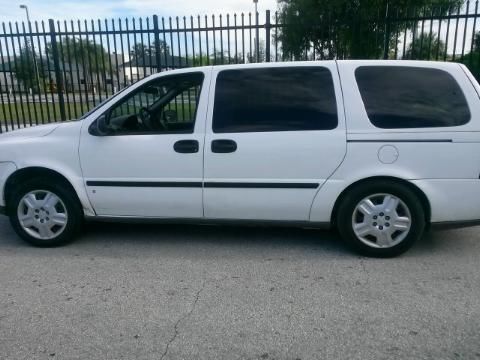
pixel 25 7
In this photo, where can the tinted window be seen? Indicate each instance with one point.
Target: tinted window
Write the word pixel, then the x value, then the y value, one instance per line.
pixel 274 99
pixel 408 97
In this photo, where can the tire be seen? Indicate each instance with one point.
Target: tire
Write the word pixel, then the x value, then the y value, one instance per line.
pixel 378 231
pixel 45 223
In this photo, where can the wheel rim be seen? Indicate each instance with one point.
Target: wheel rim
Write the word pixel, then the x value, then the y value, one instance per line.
pixel 381 220
pixel 42 214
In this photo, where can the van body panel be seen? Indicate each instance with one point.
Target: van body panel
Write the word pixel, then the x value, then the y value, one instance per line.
pixel 435 159
pixel 276 158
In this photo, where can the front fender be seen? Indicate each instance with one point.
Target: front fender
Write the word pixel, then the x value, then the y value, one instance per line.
pixel 57 152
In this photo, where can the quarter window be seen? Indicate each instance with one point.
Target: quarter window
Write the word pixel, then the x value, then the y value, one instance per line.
pixel 399 97
pixel 274 99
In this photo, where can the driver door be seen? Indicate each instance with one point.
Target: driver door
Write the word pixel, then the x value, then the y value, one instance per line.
pixel 143 156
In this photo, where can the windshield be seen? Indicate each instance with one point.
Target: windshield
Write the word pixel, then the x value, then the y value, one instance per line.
pixel 103 103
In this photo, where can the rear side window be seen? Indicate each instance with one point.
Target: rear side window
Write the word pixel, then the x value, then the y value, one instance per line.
pixel 274 99
pixel 399 97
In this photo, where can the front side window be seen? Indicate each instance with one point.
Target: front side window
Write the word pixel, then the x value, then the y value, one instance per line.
pixel 274 99
pixel 164 105
pixel 399 97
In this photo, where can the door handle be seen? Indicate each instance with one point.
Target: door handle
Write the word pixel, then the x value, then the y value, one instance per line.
pixel 186 146
pixel 224 146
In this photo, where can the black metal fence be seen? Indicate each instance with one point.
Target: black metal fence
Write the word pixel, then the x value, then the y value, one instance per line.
pixel 55 71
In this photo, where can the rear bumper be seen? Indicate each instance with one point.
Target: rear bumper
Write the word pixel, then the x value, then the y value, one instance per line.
pixel 452 201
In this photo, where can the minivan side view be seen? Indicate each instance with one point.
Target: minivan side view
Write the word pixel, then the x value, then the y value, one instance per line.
pixel 381 150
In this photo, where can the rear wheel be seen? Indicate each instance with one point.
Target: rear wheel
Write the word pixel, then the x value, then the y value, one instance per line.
pixel 381 219
pixel 45 213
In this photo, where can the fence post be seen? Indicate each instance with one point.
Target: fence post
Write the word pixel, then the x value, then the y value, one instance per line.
pixel 257 39
pixel 58 73
pixel 386 44
pixel 267 36
pixel 157 43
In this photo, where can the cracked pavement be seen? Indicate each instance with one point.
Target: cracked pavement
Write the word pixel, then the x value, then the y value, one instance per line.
pixel 197 295
pixel 210 292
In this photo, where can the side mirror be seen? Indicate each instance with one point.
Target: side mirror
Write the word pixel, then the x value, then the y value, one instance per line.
pixel 100 127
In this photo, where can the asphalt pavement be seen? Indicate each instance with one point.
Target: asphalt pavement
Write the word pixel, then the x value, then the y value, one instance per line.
pixel 215 292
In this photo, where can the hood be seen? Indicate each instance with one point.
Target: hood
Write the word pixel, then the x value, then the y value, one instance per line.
pixel 16 146
pixel 31 132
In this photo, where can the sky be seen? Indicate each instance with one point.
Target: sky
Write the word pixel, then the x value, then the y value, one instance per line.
pixel 101 9
pixel 87 9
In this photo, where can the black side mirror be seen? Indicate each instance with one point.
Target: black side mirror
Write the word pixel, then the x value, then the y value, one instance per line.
pixel 100 127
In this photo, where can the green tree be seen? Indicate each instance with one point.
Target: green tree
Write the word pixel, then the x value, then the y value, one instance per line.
pixel 26 68
pixel 200 60
pixel 139 50
pixel 472 59
pixel 425 47
pixel 258 55
pixel 87 55
pixel 219 58
pixel 346 28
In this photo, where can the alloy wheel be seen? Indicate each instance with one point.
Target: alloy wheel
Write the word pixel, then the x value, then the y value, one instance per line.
pixel 381 220
pixel 42 214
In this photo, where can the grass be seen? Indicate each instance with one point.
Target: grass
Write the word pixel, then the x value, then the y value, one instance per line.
pixel 35 112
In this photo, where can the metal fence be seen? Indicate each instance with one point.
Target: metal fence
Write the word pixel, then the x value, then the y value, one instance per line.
pixel 55 71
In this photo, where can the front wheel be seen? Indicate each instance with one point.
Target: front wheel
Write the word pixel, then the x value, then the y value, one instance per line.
pixel 381 219
pixel 45 213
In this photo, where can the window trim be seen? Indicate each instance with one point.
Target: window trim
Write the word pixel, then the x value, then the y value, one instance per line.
pixel 131 94
pixel 332 76
pixel 452 77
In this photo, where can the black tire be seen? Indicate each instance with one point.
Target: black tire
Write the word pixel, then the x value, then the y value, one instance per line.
pixel 67 196
pixel 353 197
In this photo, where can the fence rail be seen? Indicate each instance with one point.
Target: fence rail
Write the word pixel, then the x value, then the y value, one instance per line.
pixel 57 70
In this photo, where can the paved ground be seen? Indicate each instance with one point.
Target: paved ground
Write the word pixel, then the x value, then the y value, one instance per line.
pixel 198 292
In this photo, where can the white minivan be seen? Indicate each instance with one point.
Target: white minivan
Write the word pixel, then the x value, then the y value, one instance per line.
pixel 382 150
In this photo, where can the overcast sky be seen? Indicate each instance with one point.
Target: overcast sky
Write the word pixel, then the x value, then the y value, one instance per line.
pixel 88 9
